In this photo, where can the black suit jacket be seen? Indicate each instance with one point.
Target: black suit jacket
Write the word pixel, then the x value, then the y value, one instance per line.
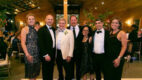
pixel 78 39
pixel 106 39
pixel 45 42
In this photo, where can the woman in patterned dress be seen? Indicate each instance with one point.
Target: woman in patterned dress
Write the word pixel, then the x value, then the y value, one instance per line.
pixel 30 48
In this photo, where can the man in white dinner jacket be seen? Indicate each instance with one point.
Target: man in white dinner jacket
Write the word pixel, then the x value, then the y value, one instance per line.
pixel 64 49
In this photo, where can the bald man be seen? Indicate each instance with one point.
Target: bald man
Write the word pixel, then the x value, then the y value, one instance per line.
pixel 46 37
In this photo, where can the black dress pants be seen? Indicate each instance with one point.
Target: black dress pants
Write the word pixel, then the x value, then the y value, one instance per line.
pixel 47 70
pixel 76 60
pixel 63 63
pixel 99 65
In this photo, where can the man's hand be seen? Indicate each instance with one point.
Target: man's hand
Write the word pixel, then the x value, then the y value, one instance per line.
pixel 47 58
pixel 68 59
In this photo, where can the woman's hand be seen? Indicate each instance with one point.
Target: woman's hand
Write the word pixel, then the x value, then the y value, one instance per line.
pixel 116 62
pixel 29 58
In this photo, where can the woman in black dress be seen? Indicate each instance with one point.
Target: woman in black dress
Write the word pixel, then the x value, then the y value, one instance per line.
pixel 118 45
pixel 86 58
pixel 30 48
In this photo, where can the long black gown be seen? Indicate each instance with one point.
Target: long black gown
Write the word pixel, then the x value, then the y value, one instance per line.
pixel 86 58
pixel 114 51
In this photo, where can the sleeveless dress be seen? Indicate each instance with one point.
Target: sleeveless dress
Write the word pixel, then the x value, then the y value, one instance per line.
pixel 32 69
pixel 114 51
pixel 115 46
pixel 86 58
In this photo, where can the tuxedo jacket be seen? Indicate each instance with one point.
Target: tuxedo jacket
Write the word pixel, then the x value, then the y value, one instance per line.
pixel 67 43
pixel 77 41
pixel 106 39
pixel 45 42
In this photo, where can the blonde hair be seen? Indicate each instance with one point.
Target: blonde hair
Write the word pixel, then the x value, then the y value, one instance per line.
pixel 29 14
pixel 62 19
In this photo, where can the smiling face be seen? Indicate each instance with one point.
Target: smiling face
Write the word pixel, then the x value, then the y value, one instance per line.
pixel 49 20
pixel 31 20
pixel 62 24
pixel 85 31
pixel 99 24
pixel 115 24
pixel 73 21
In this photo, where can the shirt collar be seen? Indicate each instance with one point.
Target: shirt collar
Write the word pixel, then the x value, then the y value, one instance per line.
pixel 76 27
pixel 48 26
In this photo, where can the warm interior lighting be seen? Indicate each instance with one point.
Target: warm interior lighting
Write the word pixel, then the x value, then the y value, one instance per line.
pixel 17 10
pixel 32 5
pixel 21 23
pixel 12 21
pixel 95 8
pixel 7 12
pixel 129 22
pixel 42 23
pixel 102 3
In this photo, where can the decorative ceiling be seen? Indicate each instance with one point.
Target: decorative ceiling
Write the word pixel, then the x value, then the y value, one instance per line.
pixel 18 6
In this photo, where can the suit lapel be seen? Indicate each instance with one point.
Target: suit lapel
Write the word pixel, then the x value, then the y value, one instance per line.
pixel 48 34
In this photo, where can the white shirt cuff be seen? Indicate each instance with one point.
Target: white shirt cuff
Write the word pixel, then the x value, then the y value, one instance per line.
pixel 45 55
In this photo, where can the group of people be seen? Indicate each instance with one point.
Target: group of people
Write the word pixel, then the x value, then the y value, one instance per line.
pixel 73 48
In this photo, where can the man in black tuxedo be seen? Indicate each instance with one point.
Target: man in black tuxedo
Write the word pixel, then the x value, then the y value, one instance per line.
pixel 46 37
pixel 99 48
pixel 76 54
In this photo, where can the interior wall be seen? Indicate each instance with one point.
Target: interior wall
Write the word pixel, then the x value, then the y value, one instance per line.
pixel 130 14
pixel 40 14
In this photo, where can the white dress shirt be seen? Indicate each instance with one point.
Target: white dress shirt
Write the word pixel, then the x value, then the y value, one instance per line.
pixel 60 36
pixel 76 30
pixel 99 42
pixel 52 35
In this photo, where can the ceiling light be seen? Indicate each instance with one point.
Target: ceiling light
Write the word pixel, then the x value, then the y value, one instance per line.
pixel 15 12
pixel 21 23
pixel 7 12
pixel 38 7
pixel 95 8
pixel 102 3
pixel 32 5
pixel 12 21
pixel 42 23
pixel 129 22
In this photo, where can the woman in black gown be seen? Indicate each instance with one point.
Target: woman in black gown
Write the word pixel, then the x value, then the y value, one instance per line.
pixel 86 58
pixel 118 45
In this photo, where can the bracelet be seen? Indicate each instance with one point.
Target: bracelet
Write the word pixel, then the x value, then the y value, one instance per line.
pixel 119 57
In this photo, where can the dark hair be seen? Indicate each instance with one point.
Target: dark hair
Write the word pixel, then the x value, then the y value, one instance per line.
pixel 119 21
pixel 37 23
pixel 90 30
pixel 135 26
pixel 73 16
pixel 99 20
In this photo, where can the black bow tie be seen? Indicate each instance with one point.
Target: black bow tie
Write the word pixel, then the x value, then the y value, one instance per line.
pixel 50 27
pixel 99 32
